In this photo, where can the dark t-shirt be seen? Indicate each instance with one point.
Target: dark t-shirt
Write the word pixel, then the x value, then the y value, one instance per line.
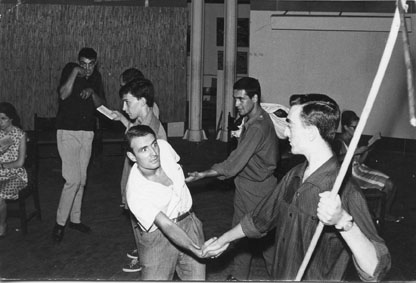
pixel 75 113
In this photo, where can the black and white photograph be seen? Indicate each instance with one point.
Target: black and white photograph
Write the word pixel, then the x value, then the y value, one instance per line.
pixel 131 149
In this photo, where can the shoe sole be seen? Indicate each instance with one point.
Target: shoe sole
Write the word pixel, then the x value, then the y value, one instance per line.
pixel 132 270
pixel 131 256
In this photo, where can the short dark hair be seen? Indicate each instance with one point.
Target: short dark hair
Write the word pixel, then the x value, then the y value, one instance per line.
pixel 348 117
pixel 131 74
pixel 250 85
pixel 88 53
pixel 318 110
pixel 139 88
pixel 10 111
pixel 137 131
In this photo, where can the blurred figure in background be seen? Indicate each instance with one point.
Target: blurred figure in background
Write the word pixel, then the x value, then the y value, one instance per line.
pixel 80 92
pixel 365 176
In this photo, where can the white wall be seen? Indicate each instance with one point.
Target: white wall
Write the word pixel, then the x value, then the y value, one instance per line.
pixel 341 64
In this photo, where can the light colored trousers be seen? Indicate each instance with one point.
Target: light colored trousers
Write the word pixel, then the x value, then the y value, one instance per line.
pixel 160 258
pixel 74 148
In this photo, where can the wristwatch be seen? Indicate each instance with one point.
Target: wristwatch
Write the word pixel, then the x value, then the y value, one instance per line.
pixel 346 224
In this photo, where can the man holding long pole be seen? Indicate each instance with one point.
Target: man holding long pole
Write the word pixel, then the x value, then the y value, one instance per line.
pixel 302 199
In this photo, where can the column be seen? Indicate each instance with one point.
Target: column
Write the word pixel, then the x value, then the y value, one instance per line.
pixel 195 132
pixel 230 51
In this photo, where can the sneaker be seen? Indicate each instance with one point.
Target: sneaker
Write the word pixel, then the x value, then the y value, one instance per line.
pixel 80 227
pixel 231 278
pixel 134 254
pixel 133 266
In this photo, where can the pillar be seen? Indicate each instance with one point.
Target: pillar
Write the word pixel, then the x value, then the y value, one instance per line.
pixel 230 51
pixel 195 132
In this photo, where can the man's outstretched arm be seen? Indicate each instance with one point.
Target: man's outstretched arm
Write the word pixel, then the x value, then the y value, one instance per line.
pixel 176 234
pixel 214 248
pixel 194 176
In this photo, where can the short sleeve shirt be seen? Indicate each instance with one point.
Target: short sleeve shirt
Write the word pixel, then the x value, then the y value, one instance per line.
pixel 146 199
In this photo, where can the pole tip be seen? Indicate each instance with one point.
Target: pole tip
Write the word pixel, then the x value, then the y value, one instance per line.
pixel 413 122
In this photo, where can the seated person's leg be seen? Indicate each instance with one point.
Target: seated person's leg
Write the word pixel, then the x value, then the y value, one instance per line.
pixel 391 190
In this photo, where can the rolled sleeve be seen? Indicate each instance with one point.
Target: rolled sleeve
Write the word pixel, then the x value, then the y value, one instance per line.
pixel 249 228
pixel 357 207
pixel 383 266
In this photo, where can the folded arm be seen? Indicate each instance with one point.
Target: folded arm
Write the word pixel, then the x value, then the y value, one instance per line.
pixel 20 161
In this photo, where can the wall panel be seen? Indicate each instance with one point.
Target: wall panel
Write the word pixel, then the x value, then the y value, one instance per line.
pixel 341 63
pixel 37 40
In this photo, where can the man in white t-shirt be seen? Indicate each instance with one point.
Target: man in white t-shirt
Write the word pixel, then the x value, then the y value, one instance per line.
pixel 171 235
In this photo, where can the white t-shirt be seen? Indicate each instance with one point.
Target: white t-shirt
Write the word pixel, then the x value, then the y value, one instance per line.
pixel 147 198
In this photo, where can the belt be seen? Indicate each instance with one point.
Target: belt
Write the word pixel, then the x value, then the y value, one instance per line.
pixel 182 216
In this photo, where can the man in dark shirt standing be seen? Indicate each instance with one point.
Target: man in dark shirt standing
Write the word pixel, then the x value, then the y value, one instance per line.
pixel 302 199
pixel 80 93
pixel 252 164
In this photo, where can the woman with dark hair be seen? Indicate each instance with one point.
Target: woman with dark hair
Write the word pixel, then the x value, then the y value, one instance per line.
pixel 13 176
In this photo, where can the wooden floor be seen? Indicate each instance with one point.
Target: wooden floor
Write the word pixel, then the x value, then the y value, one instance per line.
pixel 101 254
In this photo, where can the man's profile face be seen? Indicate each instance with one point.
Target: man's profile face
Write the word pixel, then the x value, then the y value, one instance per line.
pixel 132 106
pixel 296 131
pixel 243 102
pixel 88 65
pixel 145 152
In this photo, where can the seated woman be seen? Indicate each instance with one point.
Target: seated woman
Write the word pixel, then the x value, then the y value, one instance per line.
pixel 13 176
pixel 365 176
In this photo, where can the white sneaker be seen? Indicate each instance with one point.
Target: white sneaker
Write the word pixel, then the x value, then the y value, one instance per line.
pixel 133 266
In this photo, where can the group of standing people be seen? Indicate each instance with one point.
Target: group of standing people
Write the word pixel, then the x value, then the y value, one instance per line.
pixel 158 196
pixel 168 235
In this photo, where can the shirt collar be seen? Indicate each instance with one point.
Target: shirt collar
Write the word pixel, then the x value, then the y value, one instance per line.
pixel 258 116
pixel 329 167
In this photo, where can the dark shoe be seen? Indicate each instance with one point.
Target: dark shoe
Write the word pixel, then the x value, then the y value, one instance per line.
pixel 58 233
pixel 133 266
pixel 80 227
pixel 231 278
